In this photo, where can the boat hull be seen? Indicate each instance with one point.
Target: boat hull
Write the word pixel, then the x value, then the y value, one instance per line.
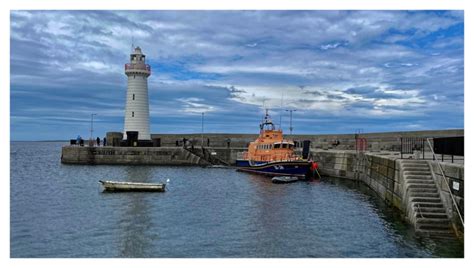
pixel 281 168
pixel 114 186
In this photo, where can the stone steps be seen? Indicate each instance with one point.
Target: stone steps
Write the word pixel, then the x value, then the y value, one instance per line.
pixel 423 190
pixel 430 227
pixel 406 161
pixel 421 173
pixel 429 209
pixel 430 205
pixel 421 185
pixel 419 177
pixel 425 194
pixel 427 169
pixel 430 216
pixel 420 181
pixel 426 200
pixel 438 234
pixel 414 164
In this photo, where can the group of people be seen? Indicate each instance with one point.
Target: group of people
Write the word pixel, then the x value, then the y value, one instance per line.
pixel 185 142
pixel 80 141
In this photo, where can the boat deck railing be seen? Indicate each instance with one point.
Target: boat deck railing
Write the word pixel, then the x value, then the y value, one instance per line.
pixel 285 157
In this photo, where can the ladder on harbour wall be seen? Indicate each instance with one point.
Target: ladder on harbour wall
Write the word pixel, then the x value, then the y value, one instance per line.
pixel 361 158
pixel 425 208
pixel 206 155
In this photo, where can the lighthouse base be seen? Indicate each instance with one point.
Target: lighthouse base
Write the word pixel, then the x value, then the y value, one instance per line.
pixel 138 143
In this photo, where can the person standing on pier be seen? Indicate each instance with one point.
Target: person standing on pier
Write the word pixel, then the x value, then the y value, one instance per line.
pixel 104 141
pixel 98 142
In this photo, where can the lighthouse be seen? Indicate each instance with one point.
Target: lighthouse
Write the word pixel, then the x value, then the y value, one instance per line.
pixel 137 115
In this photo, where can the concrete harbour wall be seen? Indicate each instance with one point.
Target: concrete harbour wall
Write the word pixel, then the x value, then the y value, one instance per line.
pixel 142 155
pixel 128 156
pixel 379 141
pixel 382 173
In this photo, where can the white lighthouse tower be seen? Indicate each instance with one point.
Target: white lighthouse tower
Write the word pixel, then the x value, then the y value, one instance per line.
pixel 137 115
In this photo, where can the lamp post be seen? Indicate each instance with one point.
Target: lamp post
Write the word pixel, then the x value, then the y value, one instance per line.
pixel 92 124
pixel 202 129
pixel 291 120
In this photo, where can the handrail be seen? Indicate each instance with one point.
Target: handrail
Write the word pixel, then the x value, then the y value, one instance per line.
pixel 446 181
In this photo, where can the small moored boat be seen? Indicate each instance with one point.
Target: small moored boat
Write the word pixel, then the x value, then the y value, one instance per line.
pixel 120 186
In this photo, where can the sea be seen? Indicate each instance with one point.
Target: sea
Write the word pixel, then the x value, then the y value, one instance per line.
pixel 60 211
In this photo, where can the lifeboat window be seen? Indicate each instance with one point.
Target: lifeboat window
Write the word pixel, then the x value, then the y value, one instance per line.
pixel 290 146
pixel 277 146
pixel 284 145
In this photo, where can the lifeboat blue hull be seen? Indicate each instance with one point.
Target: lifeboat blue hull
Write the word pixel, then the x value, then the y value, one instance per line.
pixel 288 168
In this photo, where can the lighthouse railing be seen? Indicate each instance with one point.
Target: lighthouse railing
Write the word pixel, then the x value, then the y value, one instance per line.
pixel 134 66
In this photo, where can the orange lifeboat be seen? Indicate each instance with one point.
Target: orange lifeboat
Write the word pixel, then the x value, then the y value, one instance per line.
pixel 271 154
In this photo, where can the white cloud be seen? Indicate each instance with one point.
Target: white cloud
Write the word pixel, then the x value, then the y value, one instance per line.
pixel 195 105
pixel 310 57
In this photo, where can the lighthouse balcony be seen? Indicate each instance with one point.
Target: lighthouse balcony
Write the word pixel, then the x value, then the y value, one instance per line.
pixel 141 68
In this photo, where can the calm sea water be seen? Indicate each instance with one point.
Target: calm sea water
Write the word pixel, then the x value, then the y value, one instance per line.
pixel 59 211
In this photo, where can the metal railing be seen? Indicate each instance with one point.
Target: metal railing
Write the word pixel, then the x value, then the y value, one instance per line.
pixel 419 210
pixel 137 66
pixel 446 181
pixel 283 157
pixel 408 145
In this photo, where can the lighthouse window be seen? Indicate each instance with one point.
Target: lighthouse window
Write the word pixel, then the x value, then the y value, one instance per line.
pixel 133 114
pixel 133 97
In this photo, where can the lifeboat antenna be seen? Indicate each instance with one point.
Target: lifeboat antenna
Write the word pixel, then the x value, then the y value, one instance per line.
pixel 281 108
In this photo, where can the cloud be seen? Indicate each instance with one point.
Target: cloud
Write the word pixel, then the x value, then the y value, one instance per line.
pixel 362 65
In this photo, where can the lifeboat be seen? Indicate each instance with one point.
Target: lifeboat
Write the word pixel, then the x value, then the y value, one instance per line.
pixel 271 154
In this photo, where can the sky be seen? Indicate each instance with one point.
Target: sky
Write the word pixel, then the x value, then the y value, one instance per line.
pixel 342 71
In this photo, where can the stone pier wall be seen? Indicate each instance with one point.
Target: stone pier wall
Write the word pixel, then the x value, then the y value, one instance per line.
pixel 381 140
pixel 142 155
pixel 129 156
pixel 381 173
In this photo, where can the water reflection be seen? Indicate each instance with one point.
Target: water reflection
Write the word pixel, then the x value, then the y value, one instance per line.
pixel 135 219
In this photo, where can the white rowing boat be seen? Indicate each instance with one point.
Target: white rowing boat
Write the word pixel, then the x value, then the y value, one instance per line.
pixel 119 186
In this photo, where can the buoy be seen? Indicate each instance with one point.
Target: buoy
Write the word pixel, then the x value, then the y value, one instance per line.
pixel 314 169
